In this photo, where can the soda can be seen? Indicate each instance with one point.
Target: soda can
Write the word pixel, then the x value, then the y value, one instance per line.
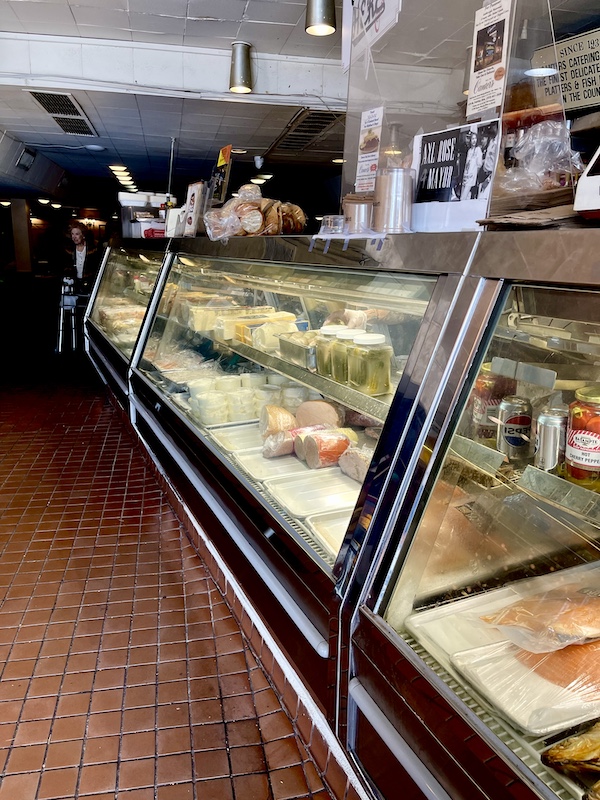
pixel 514 427
pixel 551 438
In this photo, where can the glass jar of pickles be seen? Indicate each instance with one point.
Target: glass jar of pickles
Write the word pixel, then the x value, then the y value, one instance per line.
pixel 582 452
pixel 339 353
pixel 370 364
pixel 323 343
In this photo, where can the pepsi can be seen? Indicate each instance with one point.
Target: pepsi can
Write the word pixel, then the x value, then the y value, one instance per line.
pixel 514 427
pixel 550 439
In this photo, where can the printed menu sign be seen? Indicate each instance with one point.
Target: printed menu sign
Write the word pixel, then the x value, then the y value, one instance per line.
pixel 573 64
pixel 454 169
pixel 368 149
pixel 488 59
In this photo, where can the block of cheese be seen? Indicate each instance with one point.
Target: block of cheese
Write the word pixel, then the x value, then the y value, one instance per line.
pixel 245 326
pixel 224 329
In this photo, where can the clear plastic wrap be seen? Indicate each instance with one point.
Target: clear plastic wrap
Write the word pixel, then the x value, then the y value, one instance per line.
pixel 250 214
pixel 551 620
pixel 546 161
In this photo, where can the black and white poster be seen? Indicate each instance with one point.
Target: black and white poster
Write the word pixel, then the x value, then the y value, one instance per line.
pixel 454 169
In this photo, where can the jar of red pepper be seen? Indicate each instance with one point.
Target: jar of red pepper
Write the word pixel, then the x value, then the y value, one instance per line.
pixel 582 454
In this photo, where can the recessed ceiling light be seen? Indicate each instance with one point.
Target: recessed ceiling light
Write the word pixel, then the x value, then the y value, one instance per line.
pixel 4 202
pixel 338 160
pixel 265 176
pixel 233 194
pixel 43 200
pixel 258 181
pixel 319 219
pixel 238 151
pixel 56 205
pixel 117 168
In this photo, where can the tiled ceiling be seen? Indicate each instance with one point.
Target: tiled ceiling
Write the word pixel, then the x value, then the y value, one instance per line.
pixel 136 128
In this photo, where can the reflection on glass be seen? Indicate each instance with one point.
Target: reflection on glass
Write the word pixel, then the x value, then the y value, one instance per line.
pixel 234 349
pixel 500 586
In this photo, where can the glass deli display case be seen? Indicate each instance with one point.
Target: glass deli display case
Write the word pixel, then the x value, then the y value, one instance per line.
pixel 263 387
pixel 475 634
pixel 117 308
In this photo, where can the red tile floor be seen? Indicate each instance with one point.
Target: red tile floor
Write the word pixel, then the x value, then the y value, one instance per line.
pixel 122 672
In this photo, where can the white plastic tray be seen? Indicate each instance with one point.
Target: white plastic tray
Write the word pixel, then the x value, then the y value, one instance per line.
pixel 329 529
pixel 453 634
pixel 262 469
pixel 314 492
pixel 237 437
pixel 530 702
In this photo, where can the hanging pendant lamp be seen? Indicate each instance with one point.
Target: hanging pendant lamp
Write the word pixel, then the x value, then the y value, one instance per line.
pixel 240 76
pixel 320 17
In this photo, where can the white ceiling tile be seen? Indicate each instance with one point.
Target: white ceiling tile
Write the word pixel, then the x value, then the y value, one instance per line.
pixel 209 28
pixel 98 32
pixel 216 42
pixel 103 18
pixel 263 11
pixel 158 38
pixel 167 8
pixel 225 9
pixel 42 12
pixel 156 24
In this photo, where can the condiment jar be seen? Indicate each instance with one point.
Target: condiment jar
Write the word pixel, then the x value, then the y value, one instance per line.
pixel 323 342
pixel 339 353
pixel 370 364
pixel 582 452
pixel 489 390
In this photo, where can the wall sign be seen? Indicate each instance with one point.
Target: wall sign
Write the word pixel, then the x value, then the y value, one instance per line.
pixel 488 59
pixel 371 123
pixel 576 65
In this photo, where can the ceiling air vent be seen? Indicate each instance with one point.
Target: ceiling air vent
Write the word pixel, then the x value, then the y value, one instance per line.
pixel 66 112
pixel 307 129
pixel 78 127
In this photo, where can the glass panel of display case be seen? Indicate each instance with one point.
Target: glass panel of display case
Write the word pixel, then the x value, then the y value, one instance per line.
pixel 287 374
pixel 123 295
pixel 499 589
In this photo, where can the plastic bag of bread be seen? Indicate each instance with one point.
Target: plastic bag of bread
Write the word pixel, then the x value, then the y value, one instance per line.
pixel 223 223
pixel 551 620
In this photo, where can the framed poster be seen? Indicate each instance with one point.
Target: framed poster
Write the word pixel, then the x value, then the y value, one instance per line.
pixel 454 170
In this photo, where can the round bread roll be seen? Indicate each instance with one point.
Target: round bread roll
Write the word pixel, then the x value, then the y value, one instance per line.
pixel 250 191
pixel 252 221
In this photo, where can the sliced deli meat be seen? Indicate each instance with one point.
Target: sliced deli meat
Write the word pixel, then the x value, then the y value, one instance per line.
pixel 282 443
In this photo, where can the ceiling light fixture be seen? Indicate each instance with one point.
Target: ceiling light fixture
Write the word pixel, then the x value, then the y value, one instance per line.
pixel 265 176
pixel 338 160
pixel 240 76
pixel 94 148
pixel 117 168
pixel 56 205
pixel 320 17
pixel 238 151
pixel 43 200
pixel 4 203
pixel 258 181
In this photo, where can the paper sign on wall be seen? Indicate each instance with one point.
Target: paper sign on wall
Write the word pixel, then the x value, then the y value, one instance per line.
pixel 371 123
pixel 488 58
